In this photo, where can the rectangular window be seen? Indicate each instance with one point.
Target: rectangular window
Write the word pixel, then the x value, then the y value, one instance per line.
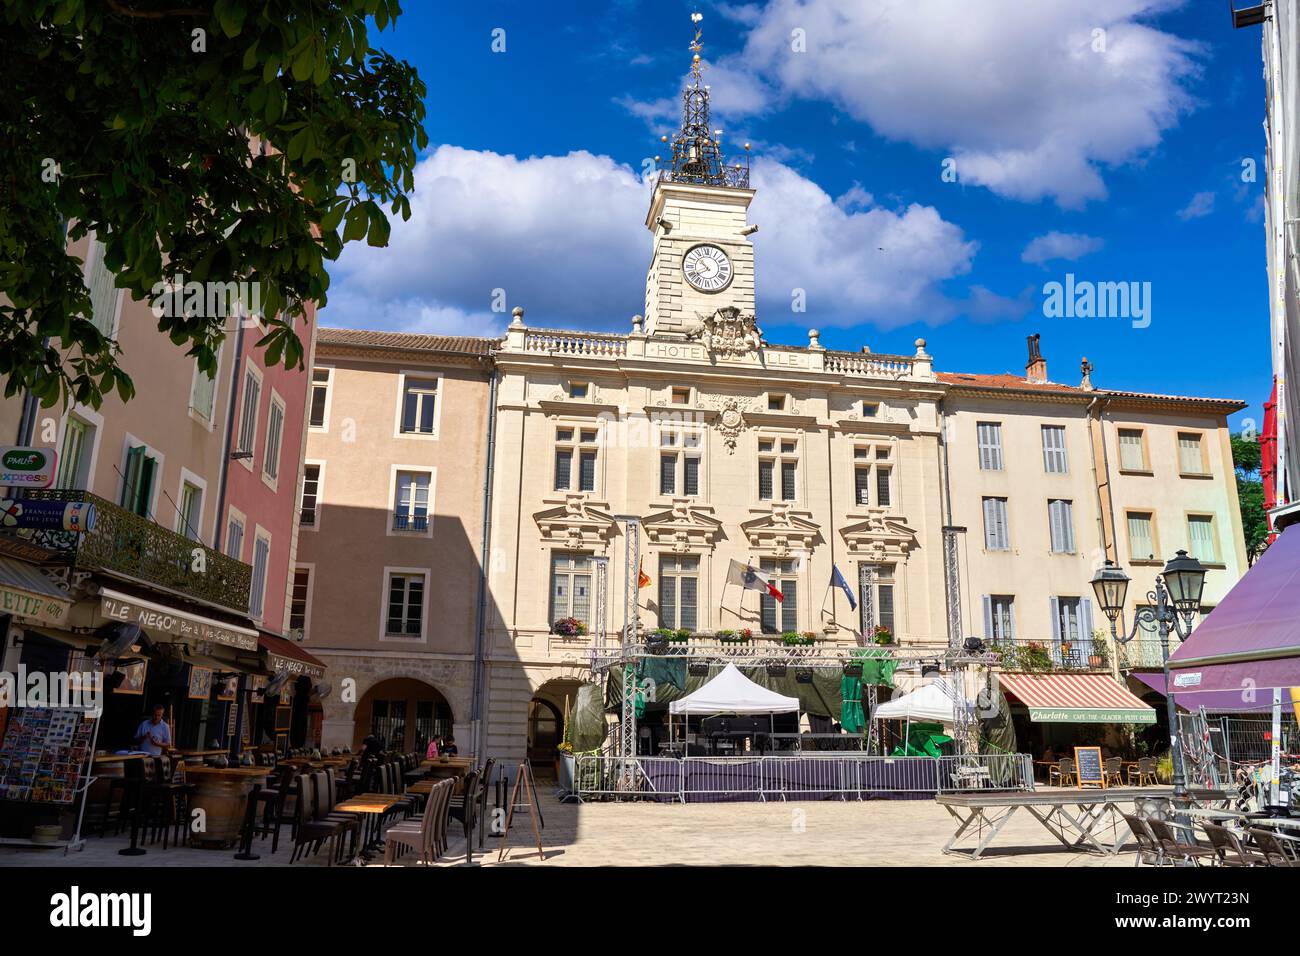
pixel 274 432
pixel 310 493
pixel 419 399
pixel 679 585
pixel 74 455
pixel 203 393
pixel 1054 460
pixel 883 497
pixel 103 293
pixel 1201 538
pixel 999 617
pixel 691 475
pixel 681 396
pixel 248 413
pixel 1190 459
pixel 765 469
pixel 668 474
pixel 883 580
pixel 411 509
pixel 1141 540
pixel 862 485
pixel 775 403
pixel 870 409
pixel 989 435
pixel 405 605
pixel 137 480
pixel 584 449
pixel 996 537
pixel 1061 519
pixel 1069 624
pixel 1132 450
pixel 298 599
pixel 578 389
pixel 257 591
pixel 320 390
pixel 780 616
pixel 235 539
pixel 787 481
pixel 190 511
pixel 570 586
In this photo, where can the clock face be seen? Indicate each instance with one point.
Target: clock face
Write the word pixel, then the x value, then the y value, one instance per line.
pixel 707 268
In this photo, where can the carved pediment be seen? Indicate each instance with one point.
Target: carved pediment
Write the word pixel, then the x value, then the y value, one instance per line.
pixel 879 535
pixel 575 524
pixel 781 531
pixel 683 526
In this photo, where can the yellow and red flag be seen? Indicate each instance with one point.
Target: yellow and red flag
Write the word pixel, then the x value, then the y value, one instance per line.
pixel 642 579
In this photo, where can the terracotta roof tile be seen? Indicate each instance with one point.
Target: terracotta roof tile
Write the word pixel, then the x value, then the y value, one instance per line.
pixel 1011 382
pixel 410 341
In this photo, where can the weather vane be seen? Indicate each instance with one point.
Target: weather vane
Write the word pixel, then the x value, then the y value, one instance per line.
pixel 696 46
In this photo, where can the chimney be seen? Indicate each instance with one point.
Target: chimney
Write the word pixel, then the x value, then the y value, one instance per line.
pixel 1036 367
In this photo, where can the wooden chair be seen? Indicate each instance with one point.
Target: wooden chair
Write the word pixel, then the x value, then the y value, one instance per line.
pixel 307 830
pixel 1273 847
pixel 1113 767
pixel 464 807
pixel 1149 849
pixel 1062 775
pixel 485 787
pixel 1176 849
pixel 421 835
pixel 1231 851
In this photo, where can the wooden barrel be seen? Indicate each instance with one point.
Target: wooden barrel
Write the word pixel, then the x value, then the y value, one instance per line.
pixel 222 795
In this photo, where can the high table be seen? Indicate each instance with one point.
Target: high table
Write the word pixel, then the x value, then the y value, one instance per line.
pixel 221 792
pixel 370 807
pixel 1072 816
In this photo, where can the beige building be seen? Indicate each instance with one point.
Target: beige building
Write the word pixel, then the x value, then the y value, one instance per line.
pixel 951 505
pixel 390 539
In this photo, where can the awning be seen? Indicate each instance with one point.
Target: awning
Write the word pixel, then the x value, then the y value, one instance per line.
pixel 117 606
pixel 1076 699
pixel 932 702
pixel 26 593
pixel 1259 619
pixel 285 655
pixel 1248 699
pixel 731 692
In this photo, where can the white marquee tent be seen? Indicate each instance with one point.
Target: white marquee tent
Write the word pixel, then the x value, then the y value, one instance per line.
pixel 932 702
pixel 731 692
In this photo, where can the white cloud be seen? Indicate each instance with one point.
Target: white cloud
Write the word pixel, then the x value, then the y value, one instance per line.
pixel 1060 245
pixel 1202 204
pixel 563 236
pixel 1028 98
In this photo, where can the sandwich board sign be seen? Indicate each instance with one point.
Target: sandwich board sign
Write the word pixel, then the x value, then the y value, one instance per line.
pixel 1088 767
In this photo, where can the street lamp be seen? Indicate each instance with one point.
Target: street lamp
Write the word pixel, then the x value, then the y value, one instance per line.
pixel 1174 603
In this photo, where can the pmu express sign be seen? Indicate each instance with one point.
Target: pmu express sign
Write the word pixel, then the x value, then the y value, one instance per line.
pixel 25 467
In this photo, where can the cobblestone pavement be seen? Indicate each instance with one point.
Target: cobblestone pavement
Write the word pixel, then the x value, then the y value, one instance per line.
pixel 868 833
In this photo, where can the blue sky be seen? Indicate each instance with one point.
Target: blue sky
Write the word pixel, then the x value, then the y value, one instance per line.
pixel 1121 125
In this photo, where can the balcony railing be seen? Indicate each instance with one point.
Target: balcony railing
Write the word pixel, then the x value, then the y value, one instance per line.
pixel 407 522
pixel 1034 654
pixel 128 544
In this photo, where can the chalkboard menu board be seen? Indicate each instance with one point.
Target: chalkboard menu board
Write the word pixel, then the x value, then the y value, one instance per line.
pixel 45 754
pixel 1088 767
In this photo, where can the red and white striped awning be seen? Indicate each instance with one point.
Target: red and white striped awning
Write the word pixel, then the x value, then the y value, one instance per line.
pixel 1076 699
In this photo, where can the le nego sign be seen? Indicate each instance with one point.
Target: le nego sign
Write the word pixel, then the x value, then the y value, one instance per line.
pixel 22 466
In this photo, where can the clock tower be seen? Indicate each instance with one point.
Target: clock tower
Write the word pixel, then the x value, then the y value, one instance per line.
pixel 702 259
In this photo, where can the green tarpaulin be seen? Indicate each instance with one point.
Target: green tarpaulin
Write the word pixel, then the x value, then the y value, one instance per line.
pixel 851 705
pixel 587 719
pixel 923 740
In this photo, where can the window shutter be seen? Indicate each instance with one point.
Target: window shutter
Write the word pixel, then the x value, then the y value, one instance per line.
pixel 1085 626
pixel 1056 619
pixel 1067 524
pixel 990 525
pixel 988 618
pixel 1000 516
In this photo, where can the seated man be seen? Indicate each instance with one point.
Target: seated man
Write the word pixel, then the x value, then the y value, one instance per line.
pixel 449 746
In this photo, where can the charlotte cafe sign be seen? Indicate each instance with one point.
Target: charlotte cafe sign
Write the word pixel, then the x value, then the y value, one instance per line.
pixel 153 617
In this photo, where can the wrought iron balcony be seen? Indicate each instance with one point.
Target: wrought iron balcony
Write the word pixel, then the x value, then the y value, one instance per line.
pixel 128 544
pixel 1044 654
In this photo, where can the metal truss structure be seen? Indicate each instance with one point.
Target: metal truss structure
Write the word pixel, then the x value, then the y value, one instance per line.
pixel 952 583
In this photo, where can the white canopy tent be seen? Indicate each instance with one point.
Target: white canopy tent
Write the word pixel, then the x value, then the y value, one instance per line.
pixel 731 692
pixel 932 702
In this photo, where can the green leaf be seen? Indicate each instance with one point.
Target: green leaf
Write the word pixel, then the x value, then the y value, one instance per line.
pixel 355 223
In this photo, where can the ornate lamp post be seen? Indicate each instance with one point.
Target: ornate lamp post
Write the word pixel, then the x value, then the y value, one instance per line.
pixel 1174 603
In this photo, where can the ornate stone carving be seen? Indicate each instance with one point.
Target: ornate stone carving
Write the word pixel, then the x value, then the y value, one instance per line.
pixel 685 527
pixel 731 421
pixel 575 524
pixel 879 536
pixel 726 331
pixel 779 531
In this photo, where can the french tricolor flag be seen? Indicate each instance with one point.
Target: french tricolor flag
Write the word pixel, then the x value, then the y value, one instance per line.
pixel 751 579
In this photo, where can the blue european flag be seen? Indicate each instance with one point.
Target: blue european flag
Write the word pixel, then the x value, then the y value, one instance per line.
pixel 837 581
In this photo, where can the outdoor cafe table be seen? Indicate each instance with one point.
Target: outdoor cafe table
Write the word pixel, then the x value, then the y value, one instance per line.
pixel 1073 816
pixel 371 807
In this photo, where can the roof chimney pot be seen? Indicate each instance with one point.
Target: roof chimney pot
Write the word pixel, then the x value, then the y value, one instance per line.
pixel 1036 367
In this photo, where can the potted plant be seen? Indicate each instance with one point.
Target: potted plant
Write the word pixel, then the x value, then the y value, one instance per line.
pixel 680 636
pixel 795 639
pixel 883 635
pixel 569 627
pixel 1034 656
pixel 1099 656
